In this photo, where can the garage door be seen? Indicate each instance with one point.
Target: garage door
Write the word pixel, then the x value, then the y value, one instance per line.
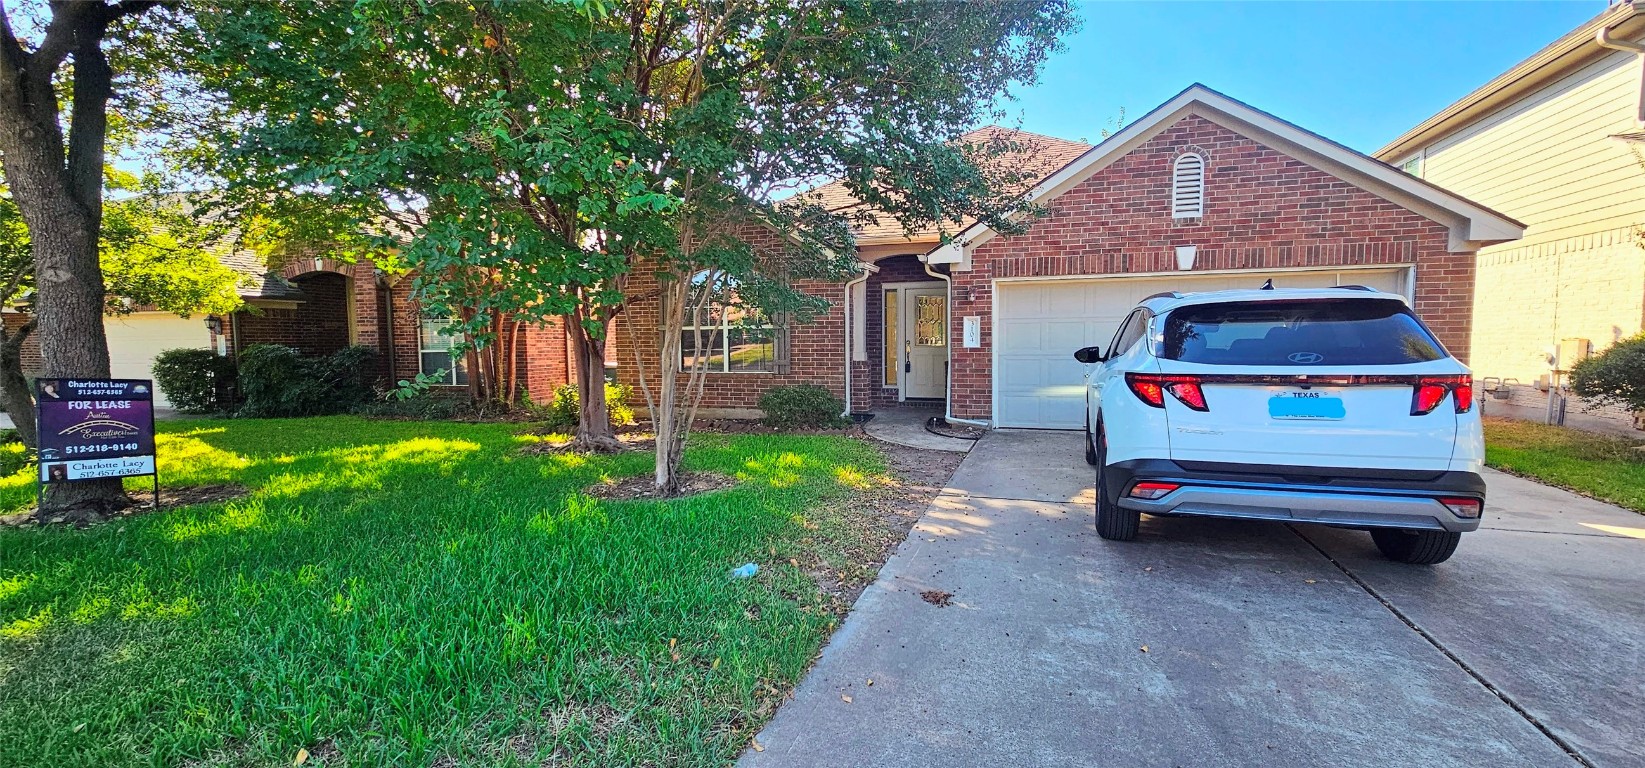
pixel 1037 382
pixel 135 339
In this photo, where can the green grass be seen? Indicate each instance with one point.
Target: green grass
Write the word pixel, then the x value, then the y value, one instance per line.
pixel 414 593
pixel 1601 466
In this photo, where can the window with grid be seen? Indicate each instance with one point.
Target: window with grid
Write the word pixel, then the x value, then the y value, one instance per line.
pixel 727 336
pixel 434 352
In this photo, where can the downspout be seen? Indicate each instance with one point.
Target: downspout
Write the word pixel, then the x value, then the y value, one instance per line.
pixel 948 402
pixel 850 330
pixel 1604 39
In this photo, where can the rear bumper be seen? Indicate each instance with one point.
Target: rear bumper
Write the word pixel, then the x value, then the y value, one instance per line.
pixel 1356 498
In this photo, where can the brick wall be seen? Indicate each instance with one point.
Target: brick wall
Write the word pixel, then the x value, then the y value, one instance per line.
pixel 815 350
pixel 317 326
pixel 1264 210
pixel 30 354
pixel 542 358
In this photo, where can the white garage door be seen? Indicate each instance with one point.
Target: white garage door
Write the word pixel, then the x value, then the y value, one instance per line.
pixel 1037 382
pixel 135 339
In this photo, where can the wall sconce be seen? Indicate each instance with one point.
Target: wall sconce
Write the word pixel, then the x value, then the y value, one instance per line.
pixel 214 325
pixel 1185 256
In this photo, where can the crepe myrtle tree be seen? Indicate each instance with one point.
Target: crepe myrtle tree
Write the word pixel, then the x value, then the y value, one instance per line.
pixel 484 132
pixel 740 104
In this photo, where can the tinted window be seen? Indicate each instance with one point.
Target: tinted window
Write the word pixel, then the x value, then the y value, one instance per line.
pixel 1298 333
pixel 1133 330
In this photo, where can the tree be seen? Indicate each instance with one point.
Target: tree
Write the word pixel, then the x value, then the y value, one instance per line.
pixel 152 252
pixel 740 104
pixel 478 130
pixel 53 166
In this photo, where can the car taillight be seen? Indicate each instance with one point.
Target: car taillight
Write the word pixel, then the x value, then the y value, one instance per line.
pixel 1151 490
pixel 1431 391
pixel 1151 388
pixel 1463 506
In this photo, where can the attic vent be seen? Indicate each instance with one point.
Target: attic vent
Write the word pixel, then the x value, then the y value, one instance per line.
pixel 1188 187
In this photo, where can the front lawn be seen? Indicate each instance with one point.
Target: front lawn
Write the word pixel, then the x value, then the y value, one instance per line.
pixel 1601 466
pixel 414 593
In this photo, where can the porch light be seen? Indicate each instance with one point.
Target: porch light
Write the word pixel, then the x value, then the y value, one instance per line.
pixel 214 325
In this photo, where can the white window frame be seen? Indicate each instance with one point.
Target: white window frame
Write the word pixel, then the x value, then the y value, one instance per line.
pixel 1181 186
pixel 1414 164
pixel 456 373
pixel 724 330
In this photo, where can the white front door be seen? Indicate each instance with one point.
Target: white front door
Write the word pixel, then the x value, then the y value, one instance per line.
pixel 924 313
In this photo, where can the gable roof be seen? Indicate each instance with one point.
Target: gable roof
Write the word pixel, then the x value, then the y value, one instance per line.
pixel 1042 156
pixel 1574 50
pixel 1472 225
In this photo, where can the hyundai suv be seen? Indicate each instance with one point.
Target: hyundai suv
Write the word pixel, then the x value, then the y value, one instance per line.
pixel 1332 405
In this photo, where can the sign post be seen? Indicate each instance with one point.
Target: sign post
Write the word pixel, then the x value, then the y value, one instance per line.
pixel 92 429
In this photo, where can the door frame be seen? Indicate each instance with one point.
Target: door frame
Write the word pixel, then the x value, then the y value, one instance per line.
pixel 905 320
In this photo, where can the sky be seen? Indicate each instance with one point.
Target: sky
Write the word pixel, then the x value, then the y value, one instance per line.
pixel 1360 73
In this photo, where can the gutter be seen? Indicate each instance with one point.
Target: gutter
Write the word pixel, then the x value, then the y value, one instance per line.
pixel 948 298
pixel 1603 37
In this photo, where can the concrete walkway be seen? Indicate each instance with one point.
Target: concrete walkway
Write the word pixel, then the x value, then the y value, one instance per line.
pixel 1212 643
pixel 905 425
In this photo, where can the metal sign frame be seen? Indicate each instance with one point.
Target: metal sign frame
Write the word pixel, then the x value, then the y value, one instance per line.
pixel 41 397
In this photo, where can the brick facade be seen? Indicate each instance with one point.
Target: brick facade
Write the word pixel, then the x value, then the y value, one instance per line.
pixel 1264 210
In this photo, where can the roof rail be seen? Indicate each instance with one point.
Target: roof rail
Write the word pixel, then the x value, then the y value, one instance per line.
pixel 1163 295
pixel 1356 288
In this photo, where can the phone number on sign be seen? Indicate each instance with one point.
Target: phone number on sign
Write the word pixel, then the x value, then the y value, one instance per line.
pixel 100 448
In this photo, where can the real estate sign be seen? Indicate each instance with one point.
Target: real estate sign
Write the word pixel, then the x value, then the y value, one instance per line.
pixel 95 428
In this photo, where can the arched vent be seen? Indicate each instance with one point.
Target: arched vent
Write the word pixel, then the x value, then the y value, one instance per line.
pixel 1188 187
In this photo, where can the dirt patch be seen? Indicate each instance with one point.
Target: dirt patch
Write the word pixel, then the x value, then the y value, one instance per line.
pixel 946 428
pixel 644 487
pixel 170 498
pixel 633 440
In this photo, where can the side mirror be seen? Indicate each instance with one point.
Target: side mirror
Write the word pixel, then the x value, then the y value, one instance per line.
pixel 1089 355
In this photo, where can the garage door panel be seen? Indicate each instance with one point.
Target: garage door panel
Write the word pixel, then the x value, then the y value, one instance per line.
pixel 1037 382
pixel 135 340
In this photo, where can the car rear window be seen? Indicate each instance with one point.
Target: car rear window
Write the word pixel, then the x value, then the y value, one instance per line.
pixel 1298 333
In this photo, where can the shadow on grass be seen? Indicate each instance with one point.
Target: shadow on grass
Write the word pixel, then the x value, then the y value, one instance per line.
pixel 408 590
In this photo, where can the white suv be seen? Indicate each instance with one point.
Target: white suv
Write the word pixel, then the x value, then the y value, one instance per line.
pixel 1332 405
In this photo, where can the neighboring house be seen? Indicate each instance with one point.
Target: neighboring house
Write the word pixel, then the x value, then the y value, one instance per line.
pixel 1202 193
pixel 1556 143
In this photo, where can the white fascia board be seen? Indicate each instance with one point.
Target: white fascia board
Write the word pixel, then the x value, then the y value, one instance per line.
pixel 1471 224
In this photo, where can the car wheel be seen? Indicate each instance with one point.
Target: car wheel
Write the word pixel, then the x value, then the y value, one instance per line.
pixel 1090 447
pixel 1114 522
pixel 1416 547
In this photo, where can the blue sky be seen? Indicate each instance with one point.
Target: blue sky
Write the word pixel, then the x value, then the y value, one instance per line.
pixel 1360 73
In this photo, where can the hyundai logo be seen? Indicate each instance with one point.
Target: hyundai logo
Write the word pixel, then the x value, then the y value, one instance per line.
pixel 1305 358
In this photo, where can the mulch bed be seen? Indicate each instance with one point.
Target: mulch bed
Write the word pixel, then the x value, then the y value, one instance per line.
pixel 170 498
pixel 644 486
pixel 948 429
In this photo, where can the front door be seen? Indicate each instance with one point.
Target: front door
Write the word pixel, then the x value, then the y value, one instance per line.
pixel 924 315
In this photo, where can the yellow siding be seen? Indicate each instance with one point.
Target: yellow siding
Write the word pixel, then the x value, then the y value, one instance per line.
pixel 1550 161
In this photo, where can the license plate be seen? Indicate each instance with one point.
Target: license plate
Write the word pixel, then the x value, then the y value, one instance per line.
pixel 1304 406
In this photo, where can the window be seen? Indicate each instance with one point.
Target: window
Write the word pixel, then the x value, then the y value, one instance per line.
pixel 434 348
pixel 1366 332
pixel 1126 337
pixel 891 334
pixel 733 338
pixel 1188 187
pixel 1413 165
pixel 929 314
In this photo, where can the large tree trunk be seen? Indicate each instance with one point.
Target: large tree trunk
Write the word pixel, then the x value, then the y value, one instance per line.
pixel 594 432
pixel 62 206
pixel 15 396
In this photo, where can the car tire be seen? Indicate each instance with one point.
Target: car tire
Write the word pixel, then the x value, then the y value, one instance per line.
pixel 1416 547
pixel 1114 523
pixel 1090 446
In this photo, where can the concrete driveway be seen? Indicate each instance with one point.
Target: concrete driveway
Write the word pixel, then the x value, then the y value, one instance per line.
pixel 1212 643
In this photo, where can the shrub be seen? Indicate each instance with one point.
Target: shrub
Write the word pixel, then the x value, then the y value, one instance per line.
pixel 421 407
pixel 1615 377
pixel 801 406
pixel 279 381
pixel 562 411
pixel 196 380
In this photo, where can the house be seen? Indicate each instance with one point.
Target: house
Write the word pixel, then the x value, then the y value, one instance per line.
pixel 1556 143
pixel 1202 193
pixel 318 306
